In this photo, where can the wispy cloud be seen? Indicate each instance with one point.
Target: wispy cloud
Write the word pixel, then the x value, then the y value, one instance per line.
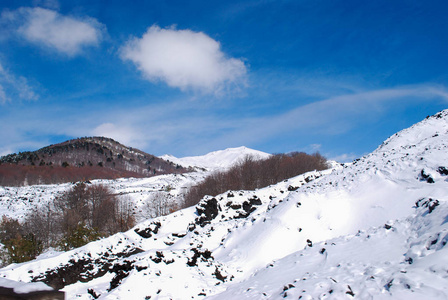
pixel 183 59
pixel 344 158
pixel 49 29
pixel 52 4
pixel 199 129
pixel 12 86
pixel 193 127
pixel 330 117
pixel 123 133
pixel 315 147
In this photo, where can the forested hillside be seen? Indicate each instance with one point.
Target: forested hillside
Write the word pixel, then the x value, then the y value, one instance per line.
pixel 81 159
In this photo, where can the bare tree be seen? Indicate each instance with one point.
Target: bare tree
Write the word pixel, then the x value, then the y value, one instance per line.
pixel 159 204
pixel 102 208
pixel 43 223
pixel 72 206
pixel 124 214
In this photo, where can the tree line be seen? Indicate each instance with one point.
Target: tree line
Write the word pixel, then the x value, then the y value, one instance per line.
pixel 251 173
pixel 78 216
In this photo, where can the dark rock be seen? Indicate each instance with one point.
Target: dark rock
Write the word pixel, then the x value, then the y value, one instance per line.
pixel 207 210
pixel 206 254
pixel 235 206
pixel 147 232
pixel 430 203
pixel 350 291
pixel 442 171
pixel 179 235
pixel 426 177
pixel 93 293
pixel 83 270
pixel 121 271
pixel 218 275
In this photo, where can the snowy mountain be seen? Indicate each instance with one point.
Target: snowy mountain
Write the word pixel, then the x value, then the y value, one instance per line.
pixel 221 159
pixel 374 229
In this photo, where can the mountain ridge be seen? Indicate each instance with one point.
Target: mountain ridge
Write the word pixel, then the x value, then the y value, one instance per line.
pixel 81 159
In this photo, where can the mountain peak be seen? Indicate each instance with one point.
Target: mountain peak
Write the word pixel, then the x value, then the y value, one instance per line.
pixel 220 159
pixel 430 127
pixel 81 159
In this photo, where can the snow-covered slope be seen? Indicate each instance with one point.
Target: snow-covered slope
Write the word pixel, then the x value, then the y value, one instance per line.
pixel 221 159
pixel 17 202
pixel 374 229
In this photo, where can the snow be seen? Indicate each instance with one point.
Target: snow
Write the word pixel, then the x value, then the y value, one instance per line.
pixel 16 202
pixel 373 229
pixel 217 160
pixel 24 287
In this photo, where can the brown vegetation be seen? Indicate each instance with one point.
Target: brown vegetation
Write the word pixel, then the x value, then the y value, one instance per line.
pixel 251 174
pixel 81 159
pixel 80 215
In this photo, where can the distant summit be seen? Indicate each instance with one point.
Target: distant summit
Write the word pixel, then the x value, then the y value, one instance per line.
pixel 81 159
pixel 221 159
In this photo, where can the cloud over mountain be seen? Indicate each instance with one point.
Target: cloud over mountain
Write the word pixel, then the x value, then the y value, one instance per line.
pixel 183 59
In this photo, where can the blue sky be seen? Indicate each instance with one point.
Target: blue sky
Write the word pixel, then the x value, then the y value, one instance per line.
pixel 187 78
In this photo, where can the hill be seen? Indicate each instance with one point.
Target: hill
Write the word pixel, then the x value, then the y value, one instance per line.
pixel 373 229
pixel 81 159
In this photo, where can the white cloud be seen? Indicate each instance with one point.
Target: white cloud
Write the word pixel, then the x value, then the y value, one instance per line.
pixel 315 147
pixel 344 158
pixel 122 134
pixel 5 151
pixel 183 59
pixel 47 28
pixel 329 117
pixel 14 86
